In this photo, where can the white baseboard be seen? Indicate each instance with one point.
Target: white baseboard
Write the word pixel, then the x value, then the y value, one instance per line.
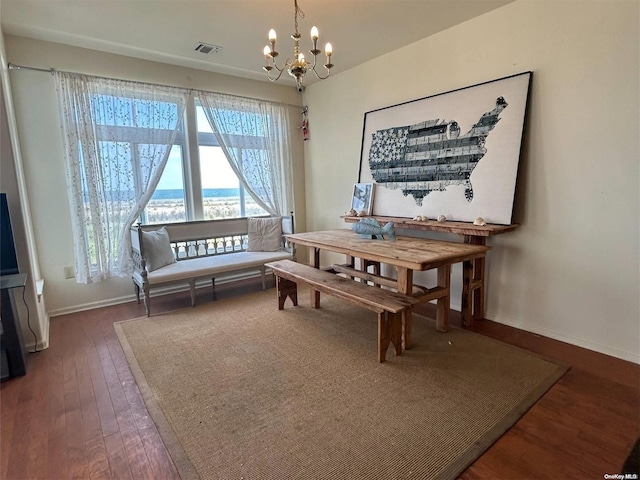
pixel 156 292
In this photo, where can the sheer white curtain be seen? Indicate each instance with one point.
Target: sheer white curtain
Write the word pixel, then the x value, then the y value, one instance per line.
pixel 254 136
pixel 117 136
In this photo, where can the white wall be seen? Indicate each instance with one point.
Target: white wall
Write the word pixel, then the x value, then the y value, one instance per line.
pixel 571 271
pixel 37 117
pixel 32 312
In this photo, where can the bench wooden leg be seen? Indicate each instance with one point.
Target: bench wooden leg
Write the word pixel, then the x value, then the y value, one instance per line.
pixel 147 300
pixel 389 331
pixel 214 296
pixel 262 274
pixel 395 330
pixel 192 291
pixel 384 336
pixel 286 288
pixel 137 292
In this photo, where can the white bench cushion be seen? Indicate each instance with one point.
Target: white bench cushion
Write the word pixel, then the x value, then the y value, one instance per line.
pixel 264 234
pixel 157 249
pixel 213 265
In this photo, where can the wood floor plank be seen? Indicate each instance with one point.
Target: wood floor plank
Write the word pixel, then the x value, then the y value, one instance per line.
pixel 56 421
pixel 9 398
pixel 38 446
pixel 94 441
pixel 118 462
pixel 81 398
pixel 18 446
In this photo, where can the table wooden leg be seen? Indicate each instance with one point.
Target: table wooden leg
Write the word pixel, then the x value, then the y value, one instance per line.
pixel 473 272
pixel 365 264
pixel 314 261
pixel 350 262
pixel 467 293
pixel 405 285
pixel 478 293
pixel 444 302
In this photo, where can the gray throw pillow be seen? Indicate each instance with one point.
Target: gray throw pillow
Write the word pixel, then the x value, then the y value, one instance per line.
pixel 265 234
pixel 157 249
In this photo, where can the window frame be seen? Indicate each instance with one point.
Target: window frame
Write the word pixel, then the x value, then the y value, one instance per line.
pixel 189 139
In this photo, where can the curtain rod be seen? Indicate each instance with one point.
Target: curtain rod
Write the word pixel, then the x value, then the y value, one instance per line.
pixel 13 66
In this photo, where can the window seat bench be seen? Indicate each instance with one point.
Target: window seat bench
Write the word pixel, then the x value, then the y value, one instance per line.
pixel 186 252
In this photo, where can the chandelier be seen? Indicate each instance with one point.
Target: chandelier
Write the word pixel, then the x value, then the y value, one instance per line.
pixel 298 66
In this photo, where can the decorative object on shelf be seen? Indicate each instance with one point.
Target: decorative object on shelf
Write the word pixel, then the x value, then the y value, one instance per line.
pixel 351 213
pixel 305 123
pixel 298 66
pixel 479 221
pixel 362 213
pixel 421 218
pixel 456 151
pixel 442 218
pixel 362 198
pixel 369 228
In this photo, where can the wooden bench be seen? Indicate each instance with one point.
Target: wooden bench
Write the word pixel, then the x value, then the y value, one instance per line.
pixel 387 304
pixel 204 249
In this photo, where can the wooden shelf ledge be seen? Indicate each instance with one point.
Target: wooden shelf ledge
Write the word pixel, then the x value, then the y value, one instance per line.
pixel 461 228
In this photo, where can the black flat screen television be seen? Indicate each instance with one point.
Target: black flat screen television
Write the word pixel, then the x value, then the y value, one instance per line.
pixel 8 259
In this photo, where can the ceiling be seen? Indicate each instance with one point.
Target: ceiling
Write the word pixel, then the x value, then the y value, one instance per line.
pixel 168 30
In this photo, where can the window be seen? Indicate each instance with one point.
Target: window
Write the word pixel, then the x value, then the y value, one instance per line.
pixel 220 192
pixel 168 202
pixel 142 152
pixel 223 196
pixel 125 126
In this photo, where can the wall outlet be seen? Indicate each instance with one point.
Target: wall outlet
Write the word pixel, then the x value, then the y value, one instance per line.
pixel 69 272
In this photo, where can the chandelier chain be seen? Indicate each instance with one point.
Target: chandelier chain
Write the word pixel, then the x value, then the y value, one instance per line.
pixel 297 13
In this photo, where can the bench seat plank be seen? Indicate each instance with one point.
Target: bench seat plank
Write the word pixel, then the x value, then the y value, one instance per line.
pixel 359 293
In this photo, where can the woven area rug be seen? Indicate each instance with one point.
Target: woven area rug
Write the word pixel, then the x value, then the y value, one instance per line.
pixel 239 389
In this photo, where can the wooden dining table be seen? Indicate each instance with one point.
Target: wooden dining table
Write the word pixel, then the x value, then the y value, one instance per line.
pixel 406 255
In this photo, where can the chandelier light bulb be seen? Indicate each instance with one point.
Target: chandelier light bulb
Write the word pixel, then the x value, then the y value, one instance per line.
pixel 267 51
pixel 314 33
pixel 272 36
pixel 328 49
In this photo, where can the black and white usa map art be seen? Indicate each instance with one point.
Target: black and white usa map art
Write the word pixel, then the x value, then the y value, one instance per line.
pixel 454 154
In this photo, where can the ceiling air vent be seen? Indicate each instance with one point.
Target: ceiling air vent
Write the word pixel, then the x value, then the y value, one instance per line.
pixel 207 48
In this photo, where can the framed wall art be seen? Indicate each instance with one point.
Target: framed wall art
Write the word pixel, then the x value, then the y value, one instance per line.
pixel 362 198
pixel 454 154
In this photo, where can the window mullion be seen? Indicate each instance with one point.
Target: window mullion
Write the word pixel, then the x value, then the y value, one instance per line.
pixel 243 209
pixel 137 177
pixel 191 164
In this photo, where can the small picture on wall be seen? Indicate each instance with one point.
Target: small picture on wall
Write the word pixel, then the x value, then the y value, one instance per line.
pixel 362 199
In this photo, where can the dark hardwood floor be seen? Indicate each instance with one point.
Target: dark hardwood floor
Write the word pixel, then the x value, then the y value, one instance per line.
pixel 79 414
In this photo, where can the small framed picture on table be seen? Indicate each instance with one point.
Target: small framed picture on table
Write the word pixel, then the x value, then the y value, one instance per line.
pixel 362 199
